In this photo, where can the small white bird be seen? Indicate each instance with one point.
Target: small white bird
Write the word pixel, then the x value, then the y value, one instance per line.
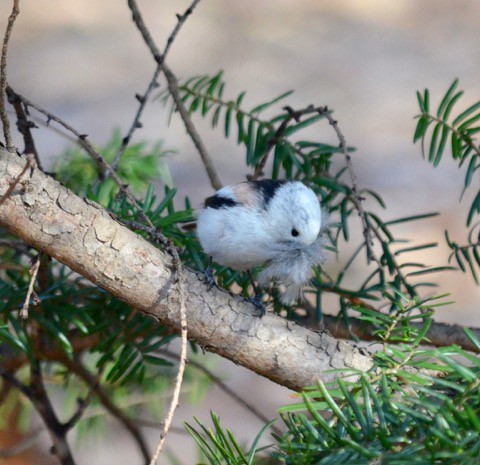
pixel 272 223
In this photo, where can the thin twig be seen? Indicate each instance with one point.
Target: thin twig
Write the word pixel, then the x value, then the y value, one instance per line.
pixel 177 264
pixel 85 402
pixel 179 378
pixel 142 27
pixel 143 99
pixel 83 373
pixel 324 111
pixel 191 129
pixel 24 125
pixel 173 89
pixel 223 386
pixel 33 271
pixel 153 84
pixel 13 381
pixel 137 18
pixel 89 148
pixel 43 405
pixel 13 184
pixel 3 77
pixel 180 21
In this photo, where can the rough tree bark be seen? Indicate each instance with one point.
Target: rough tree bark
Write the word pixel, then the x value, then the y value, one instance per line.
pixel 82 235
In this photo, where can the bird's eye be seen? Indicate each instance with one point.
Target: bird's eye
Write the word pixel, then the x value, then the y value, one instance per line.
pixel 295 233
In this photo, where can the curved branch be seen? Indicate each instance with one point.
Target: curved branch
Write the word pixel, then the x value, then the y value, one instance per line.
pixel 84 237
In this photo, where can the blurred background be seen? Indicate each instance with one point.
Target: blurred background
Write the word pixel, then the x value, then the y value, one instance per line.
pixel 84 61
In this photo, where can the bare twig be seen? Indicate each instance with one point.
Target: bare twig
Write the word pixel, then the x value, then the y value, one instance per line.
pixel 57 431
pixel 157 236
pixel 13 381
pixel 89 148
pixel 85 402
pixel 33 271
pixel 179 378
pixel 324 111
pixel 142 27
pixel 83 373
pixel 137 18
pixel 153 84
pixel 24 125
pixel 13 184
pixel 3 77
pixel 143 99
pixel 180 21
pixel 190 127
pixel 173 89
pixel 223 386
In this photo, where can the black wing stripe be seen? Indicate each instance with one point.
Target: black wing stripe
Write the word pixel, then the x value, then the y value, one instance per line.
pixel 216 202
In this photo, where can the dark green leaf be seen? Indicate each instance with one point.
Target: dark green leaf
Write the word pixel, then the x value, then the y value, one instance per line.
pixel 465 114
pixel 472 166
pixel 406 219
pixel 302 125
pixel 158 361
pixel 216 116
pixel 416 248
pixel 433 142
pixel 228 118
pixel 456 146
pixel 214 83
pixel 475 208
pixel 426 101
pixel 421 128
pixel 239 100
pixel 240 128
pixel 441 145
pixel 446 99
pixel 465 252
pixel 250 142
pixel 472 338
pixel 420 102
pixel 467 124
pixel 434 269
pixel 451 103
pixel 264 106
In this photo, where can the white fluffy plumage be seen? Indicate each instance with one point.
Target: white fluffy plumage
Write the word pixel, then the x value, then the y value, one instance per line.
pixel 276 224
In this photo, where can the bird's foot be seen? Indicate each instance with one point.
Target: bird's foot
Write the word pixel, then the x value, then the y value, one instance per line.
pixel 209 277
pixel 257 302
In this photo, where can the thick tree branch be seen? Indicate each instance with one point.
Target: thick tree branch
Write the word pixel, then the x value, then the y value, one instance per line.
pixel 438 335
pixel 83 236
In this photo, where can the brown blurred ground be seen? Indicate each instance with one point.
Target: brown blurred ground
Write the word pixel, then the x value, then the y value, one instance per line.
pixel 84 61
